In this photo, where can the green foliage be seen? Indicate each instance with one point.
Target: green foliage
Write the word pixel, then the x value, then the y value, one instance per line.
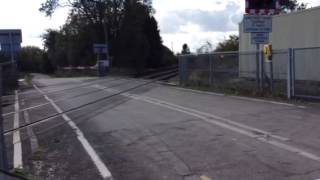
pixel 49 7
pixel 139 43
pixel 3 57
pixel 288 6
pixel 230 44
pixel 185 49
pixel 129 26
pixel 33 59
pixel 168 58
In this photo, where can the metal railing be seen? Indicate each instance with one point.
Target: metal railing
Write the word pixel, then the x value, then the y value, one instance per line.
pixel 8 82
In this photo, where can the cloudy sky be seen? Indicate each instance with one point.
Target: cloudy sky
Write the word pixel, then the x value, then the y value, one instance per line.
pixel 181 21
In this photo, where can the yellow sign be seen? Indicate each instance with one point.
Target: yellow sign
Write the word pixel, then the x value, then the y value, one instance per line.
pixel 267 49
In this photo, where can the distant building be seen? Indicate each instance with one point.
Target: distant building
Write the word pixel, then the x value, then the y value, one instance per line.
pixel 10 42
pixel 294 30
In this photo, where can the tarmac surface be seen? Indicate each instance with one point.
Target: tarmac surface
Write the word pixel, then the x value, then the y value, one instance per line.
pixel 137 130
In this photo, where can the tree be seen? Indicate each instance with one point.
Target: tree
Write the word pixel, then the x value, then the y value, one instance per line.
pixel 133 48
pixel 33 59
pixel 132 31
pixel 288 6
pixel 155 43
pixel 231 44
pixel 206 48
pixel 185 49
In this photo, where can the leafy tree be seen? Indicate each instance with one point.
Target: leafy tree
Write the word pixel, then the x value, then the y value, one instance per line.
pixel 134 53
pixel 185 49
pixel 231 44
pixel 206 48
pixel 155 43
pixel 288 6
pixel 128 26
pixel 33 59
pixel 168 57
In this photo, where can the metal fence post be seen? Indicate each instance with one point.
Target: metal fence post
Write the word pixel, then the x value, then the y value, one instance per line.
pixel 262 78
pixel 289 74
pixel 210 69
pixel 3 154
pixel 180 68
pixel 293 70
pixel 258 66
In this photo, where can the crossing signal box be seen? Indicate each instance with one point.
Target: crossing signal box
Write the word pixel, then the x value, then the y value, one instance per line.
pixel 267 49
pixel 263 7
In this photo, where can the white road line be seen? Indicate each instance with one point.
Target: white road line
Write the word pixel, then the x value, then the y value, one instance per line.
pixel 228 121
pixel 17 148
pixel 232 127
pixel 102 168
pixel 33 138
pixel 240 97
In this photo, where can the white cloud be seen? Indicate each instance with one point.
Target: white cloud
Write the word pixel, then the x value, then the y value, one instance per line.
pixel 215 20
pixel 181 21
pixel 22 14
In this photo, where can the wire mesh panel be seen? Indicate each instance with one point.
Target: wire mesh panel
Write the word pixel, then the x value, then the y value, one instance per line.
pixel 249 71
pixel 194 69
pixel 275 73
pixel 224 71
pixel 307 71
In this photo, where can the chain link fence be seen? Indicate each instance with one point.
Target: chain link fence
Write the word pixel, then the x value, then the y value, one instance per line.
pixel 291 72
pixel 306 66
pixel 231 72
pixel 219 71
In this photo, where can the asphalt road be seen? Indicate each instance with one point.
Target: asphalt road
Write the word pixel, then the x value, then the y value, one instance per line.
pixel 158 132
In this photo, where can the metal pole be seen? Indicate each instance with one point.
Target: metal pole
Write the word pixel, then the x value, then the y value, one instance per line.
pixel 289 75
pixel 293 70
pixel 261 71
pixel 271 76
pixel 210 70
pixel 11 48
pixel 99 65
pixel 3 153
pixel 258 66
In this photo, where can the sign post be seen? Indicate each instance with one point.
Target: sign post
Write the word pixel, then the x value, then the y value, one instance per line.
pixel 258 22
pixel 103 62
pixel 259 26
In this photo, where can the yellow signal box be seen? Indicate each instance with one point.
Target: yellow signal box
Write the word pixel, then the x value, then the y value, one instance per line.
pixel 267 49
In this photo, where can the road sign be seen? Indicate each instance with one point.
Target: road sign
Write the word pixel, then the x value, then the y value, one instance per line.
pixel 257 23
pixel 259 38
pixel 100 48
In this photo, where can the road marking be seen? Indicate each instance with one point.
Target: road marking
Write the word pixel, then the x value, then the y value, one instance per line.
pixel 270 139
pixel 102 168
pixel 17 148
pixel 204 178
pixel 257 131
pixel 33 138
pixel 241 97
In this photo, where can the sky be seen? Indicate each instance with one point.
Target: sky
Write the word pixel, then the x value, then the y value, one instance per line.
pixel 180 21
